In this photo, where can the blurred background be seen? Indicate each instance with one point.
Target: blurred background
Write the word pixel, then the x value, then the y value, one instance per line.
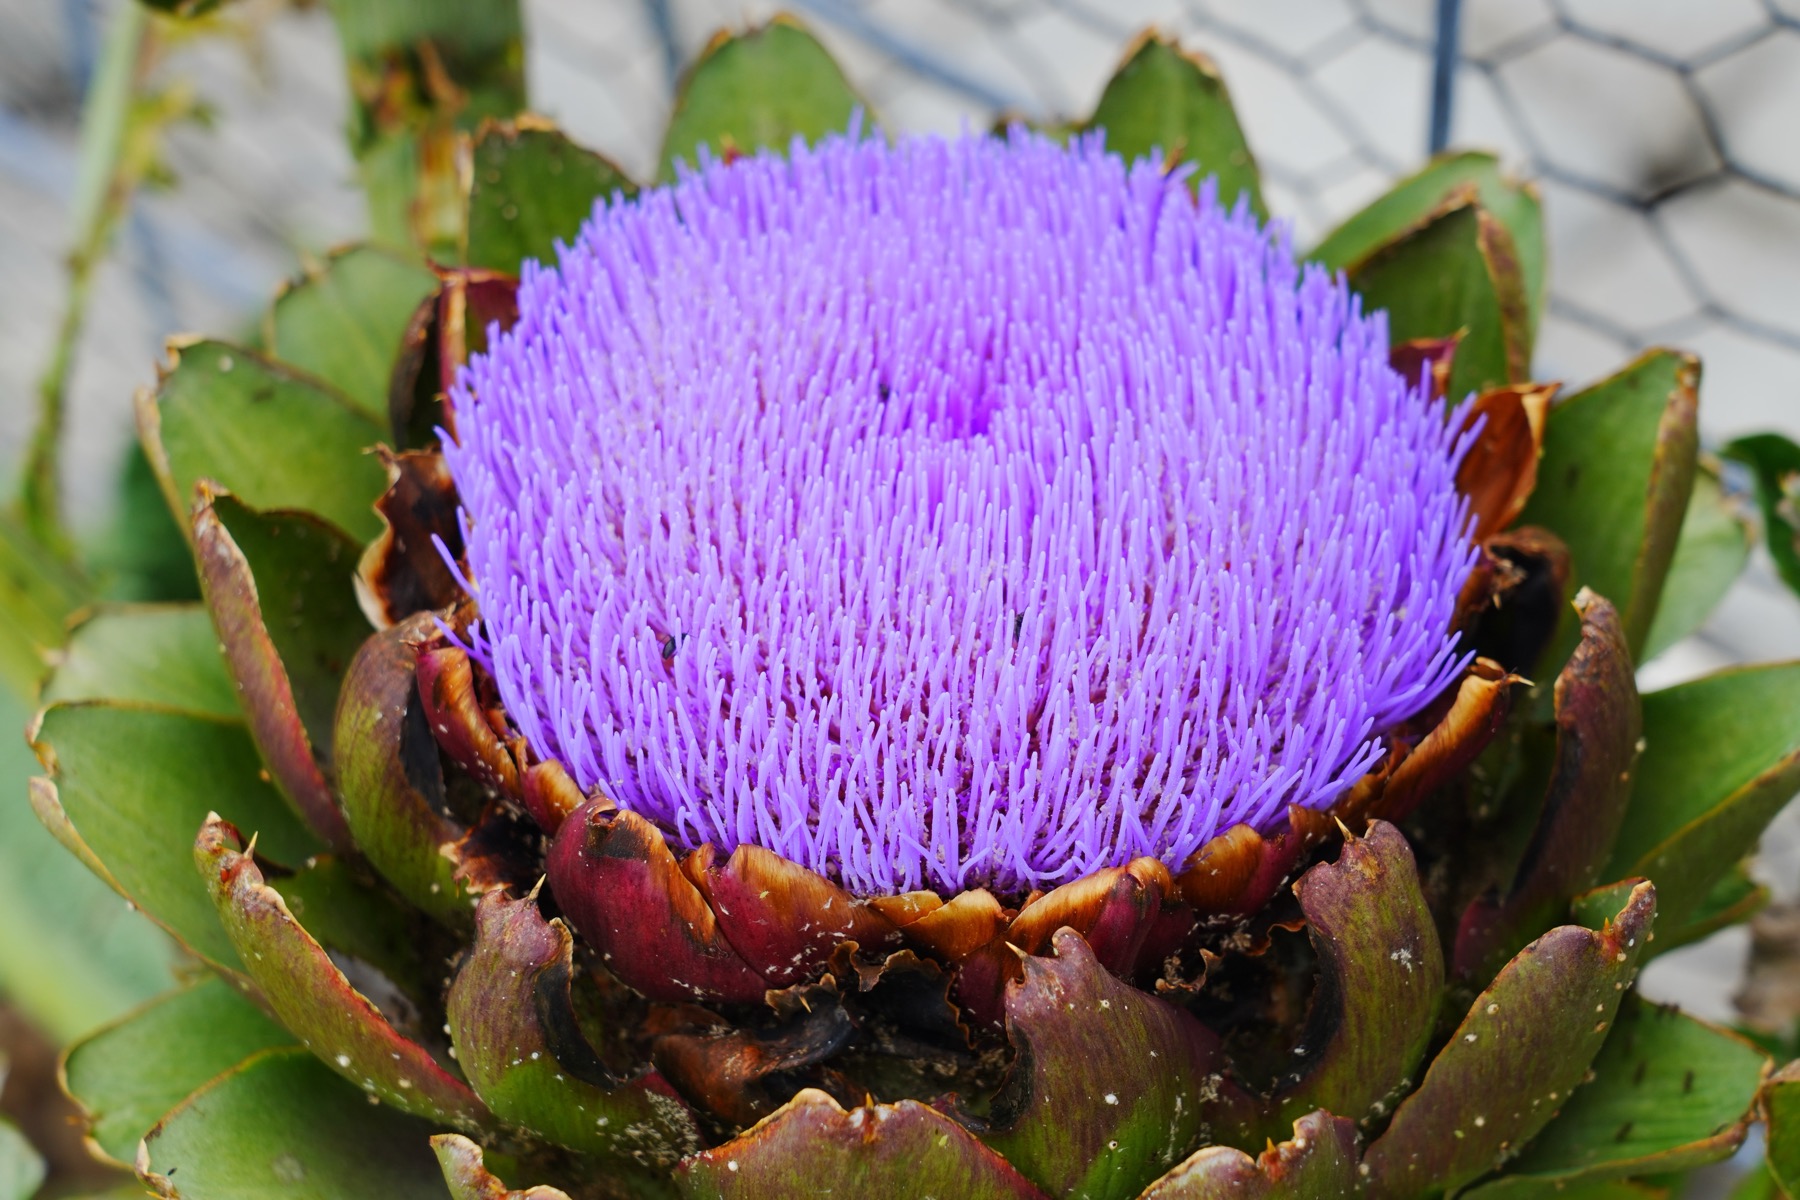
pixel 1663 134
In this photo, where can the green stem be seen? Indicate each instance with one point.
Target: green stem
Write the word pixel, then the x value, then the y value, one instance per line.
pixel 101 194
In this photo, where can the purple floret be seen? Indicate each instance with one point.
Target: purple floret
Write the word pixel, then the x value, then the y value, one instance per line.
pixel 954 512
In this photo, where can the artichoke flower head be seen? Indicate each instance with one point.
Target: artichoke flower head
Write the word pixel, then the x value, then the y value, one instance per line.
pixel 981 512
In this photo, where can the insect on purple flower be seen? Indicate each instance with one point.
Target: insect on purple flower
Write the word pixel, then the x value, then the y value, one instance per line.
pixel 954 512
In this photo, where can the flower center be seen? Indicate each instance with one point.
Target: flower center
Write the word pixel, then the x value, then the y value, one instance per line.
pixel 954 512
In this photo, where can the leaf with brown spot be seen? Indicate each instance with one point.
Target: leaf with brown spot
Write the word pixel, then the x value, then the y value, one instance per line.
pixel 1317 1163
pixel 471 303
pixel 445 329
pixel 1456 269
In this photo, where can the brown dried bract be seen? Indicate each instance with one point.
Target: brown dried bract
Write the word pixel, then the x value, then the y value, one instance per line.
pixel 402 571
pixel 445 329
pixel 501 851
pixel 1471 717
pixel 744 1075
pixel 1500 470
pixel 1421 355
pixel 1513 602
pixel 460 722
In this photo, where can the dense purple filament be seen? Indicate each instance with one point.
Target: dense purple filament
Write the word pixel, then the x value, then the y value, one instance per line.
pixel 955 512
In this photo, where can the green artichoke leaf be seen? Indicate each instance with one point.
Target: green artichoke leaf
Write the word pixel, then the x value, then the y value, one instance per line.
pixel 1163 98
pixel 310 995
pixel 38 591
pixel 140 555
pixel 343 320
pixel 1781 1108
pixel 1774 461
pixel 280 1126
pixel 1614 482
pixel 128 781
pixel 1721 758
pixel 389 776
pixel 1734 899
pixel 517 1037
pixel 1111 1086
pixel 1456 269
pixel 389 169
pixel 352 915
pixel 1317 1163
pixel 71 955
pixel 272 437
pixel 1604 1189
pixel 1757 1184
pixel 1382 978
pixel 127 1074
pixel 1667 1093
pixel 530 187
pixel 1598 742
pixel 1516 205
pixel 814 1147
pixel 465 1171
pixel 21 1167
pixel 758 89
pixel 1711 551
pixel 279 585
pixel 1523 1047
pixel 156 654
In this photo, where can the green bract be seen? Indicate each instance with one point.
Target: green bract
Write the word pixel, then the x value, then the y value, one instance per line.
pixel 315 793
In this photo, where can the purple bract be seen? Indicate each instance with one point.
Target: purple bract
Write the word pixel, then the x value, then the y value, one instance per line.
pixel 954 512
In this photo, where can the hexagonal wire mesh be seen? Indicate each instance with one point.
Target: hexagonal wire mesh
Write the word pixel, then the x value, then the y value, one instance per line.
pixel 1660 131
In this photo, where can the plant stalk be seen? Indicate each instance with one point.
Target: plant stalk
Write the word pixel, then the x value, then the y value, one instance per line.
pixel 102 192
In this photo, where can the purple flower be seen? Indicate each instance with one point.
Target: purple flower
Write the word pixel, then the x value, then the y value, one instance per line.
pixel 954 512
